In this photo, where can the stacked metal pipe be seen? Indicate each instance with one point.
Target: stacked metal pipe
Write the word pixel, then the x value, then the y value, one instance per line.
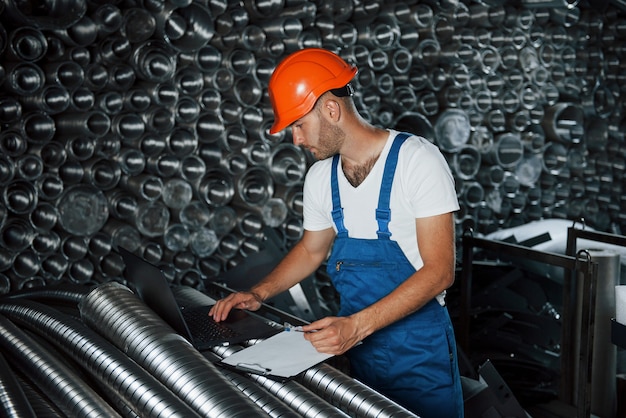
pixel 144 123
pixel 105 353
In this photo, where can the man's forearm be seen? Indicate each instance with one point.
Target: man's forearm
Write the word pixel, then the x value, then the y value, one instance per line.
pixel 297 265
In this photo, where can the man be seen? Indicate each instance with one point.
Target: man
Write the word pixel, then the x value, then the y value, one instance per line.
pixel 382 204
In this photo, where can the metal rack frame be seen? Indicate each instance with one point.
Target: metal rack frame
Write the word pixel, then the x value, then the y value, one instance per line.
pixel 573 234
pixel 572 391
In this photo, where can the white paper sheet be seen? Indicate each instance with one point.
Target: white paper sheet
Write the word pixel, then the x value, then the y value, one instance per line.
pixel 283 355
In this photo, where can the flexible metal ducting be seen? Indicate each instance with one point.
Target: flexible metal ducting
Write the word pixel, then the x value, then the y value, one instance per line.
pixel 68 293
pixel 42 406
pixel 58 382
pixel 357 399
pixel 13 401
pixel 170 363
pixel 102 360
pixel 321 381
pixel 118 314
pixel 271 405
pixel 306 403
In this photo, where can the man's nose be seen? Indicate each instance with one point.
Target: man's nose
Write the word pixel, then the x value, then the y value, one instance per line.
pixel 298 139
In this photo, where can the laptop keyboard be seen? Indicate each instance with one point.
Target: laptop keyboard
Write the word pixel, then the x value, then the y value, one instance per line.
pixel 204 328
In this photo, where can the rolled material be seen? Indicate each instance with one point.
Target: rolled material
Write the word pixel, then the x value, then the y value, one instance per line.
pixel 452 130
pixel 83 99
pixel 27 43
pixel 24 78
pixel 56 15
pixel 10 110
pixel 149 341
pixel 20 197
pixel 83 210
pixel 217 187
pixel 52 99
pixel 466 162
pixel 507 150
pixel 93 124
pixel 140 392
pixel 59 382
pixel 83 32
pixel 108 18
pixel 287 164
pixel 185 28
pixel 254 187
pixel 564 122
pixel 44 217
pixel 67 74
pixel 29 167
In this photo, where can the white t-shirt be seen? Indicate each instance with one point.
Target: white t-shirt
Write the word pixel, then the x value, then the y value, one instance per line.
pixel 423 186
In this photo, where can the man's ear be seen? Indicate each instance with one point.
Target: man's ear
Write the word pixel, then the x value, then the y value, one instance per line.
pixel 332 110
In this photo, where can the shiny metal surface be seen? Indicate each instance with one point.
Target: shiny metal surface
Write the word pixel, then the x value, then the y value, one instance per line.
pixel 117 313
pixel 58 380
pixel 142 392
pixel 119 97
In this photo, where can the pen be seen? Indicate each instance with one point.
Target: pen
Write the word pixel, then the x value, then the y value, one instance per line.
pixel 289 327
pixel 297 328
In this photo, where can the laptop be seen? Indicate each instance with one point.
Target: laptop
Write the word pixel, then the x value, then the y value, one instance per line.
pixel 193 323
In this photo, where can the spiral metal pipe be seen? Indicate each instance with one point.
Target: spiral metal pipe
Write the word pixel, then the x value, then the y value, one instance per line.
pixel 271 405
pixel 64 293
pixel 318 384
pixel 293 393
pixel 141 392
pixel 357 399
pixel 71 96
pixel 116 313
pixel 13 400
pixel 56 379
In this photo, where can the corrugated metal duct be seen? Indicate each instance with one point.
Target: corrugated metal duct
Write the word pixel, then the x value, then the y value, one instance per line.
pixel 55 379
pixel 118 314
pixel 319 382
pixel 117 373
pixel 100 351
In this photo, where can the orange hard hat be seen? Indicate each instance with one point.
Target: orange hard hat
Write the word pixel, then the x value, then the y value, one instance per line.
pixel 300 79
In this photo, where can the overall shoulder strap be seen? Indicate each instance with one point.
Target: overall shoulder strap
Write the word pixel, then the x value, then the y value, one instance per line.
pixel 383 213
pixel 337 212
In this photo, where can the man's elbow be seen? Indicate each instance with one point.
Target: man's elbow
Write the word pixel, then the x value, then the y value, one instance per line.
pixel 447 279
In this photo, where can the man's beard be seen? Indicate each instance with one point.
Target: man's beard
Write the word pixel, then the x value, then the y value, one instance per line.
pixel 329 141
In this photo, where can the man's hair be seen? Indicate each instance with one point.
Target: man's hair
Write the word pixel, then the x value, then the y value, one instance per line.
pixel 345 100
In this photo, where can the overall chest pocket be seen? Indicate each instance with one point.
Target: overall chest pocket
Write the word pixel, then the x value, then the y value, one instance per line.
pixel 362 283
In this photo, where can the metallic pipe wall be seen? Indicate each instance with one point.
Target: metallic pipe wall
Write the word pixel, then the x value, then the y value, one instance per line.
pixel 144 124
pixel 109 354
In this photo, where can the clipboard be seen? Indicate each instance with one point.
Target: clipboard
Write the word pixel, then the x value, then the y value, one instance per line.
pixel 279 357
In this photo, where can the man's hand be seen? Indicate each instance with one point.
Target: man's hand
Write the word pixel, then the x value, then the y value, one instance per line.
pixel 332 335
pixel 240 300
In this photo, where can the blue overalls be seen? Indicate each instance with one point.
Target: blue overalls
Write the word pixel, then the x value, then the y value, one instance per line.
pixel 412 361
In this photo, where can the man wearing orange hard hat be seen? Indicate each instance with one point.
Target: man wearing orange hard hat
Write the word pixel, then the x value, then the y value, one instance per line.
pixel 382 204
